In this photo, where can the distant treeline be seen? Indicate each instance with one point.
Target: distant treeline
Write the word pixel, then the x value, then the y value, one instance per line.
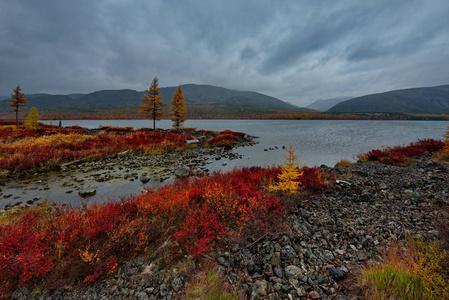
pixel 216 112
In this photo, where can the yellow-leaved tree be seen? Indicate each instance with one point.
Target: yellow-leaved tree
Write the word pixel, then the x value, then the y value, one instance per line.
pixel 178 109
pixel 152 106
pixel 17 100
pixel 288 178
pixel 32 119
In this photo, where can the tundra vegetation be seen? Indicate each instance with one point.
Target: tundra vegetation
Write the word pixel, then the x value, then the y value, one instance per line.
pixel 55 246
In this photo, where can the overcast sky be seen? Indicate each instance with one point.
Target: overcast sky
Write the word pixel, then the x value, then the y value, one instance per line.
pixel 297 51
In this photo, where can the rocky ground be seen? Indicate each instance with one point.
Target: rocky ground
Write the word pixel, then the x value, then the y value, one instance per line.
pixel 326 238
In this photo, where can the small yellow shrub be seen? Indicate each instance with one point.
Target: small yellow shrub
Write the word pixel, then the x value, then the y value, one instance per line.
pixel 288 178
pixel 433 268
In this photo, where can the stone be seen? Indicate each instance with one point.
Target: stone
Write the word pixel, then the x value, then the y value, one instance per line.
pixel 182 172
pixel 292 272
pixel 163 290
pixel 260 288
pixel 278 271
pixel 314 295
pixel 336 273
pixel 361 255
pixel 142 296
pixel 288 252
pixel 328 255
pixel 87 193
pixel 144 178
pixel 276 259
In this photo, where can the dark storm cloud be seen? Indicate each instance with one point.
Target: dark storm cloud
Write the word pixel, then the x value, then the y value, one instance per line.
pixel 295 50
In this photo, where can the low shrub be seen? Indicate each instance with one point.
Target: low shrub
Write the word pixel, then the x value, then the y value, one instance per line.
pixel 399 155
pixel 414 270
pixel 224 139
pixel 344 163
pixel 209 283
pixel 216 207
pixel 315 180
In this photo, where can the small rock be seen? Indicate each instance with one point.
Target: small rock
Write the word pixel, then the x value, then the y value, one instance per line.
pixel 182 172
pixel 288 252
pixel 314 295
pixel 361 255
pixel 260 288
pixel 87 193
pixel 144 178
pixel 142 296
pixel 292 272
pixel 163 290
pixel 336 273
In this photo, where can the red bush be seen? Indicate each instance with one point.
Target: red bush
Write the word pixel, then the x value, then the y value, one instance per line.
pixel 313 179
pixel 398 155
pixel 225 139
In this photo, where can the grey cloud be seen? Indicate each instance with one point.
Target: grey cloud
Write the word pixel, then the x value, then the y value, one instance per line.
pixel 297 51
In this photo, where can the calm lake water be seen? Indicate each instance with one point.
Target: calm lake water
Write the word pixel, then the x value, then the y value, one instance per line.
pixel 315 142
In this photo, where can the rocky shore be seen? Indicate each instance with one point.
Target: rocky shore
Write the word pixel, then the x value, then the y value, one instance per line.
pixel 325 239
pixel 120 172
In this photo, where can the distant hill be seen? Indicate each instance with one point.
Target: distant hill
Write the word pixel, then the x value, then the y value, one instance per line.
pixel 327 103
pixel 203 101
pixel 425 100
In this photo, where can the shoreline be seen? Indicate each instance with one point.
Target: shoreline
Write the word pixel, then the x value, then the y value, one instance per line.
pixel 118 175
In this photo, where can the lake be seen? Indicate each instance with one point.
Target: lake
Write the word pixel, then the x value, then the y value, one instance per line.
pixel 316 142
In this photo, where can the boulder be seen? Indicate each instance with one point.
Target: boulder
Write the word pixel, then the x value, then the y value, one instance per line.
pixel 144 178
pixel 182 172
pixel 87 193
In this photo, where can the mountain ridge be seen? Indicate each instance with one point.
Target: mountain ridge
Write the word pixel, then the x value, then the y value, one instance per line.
pixel 218 99
pixel 421 100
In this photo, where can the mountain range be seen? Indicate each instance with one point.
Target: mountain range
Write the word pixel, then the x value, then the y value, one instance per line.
pixel 424 100
pixel 201 101
pixel 206 101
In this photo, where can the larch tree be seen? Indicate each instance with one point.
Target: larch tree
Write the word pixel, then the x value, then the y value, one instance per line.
pixel 32 119
pixel 152 106
pixel 178 109
pixel 17 100
pixel 288 178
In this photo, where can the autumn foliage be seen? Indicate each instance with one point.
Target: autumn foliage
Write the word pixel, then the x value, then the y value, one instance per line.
pixel 400 155
pixel 225 138
pixel 152 104
pixel 16 101
pixel 288 178
pixel 52 247
pixel 178 109
pixel 32 119
pixel 46 149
